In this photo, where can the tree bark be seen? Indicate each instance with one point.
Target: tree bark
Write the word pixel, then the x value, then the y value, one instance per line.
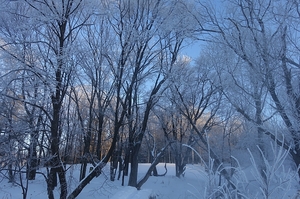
pixel 134 167
pixel 32 162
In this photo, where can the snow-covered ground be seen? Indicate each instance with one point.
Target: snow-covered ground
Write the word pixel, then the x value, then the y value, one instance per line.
pixel 169 186
pixel 194 184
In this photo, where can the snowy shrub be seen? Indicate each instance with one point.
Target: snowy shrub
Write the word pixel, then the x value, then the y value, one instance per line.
pixel 275 181
pixel 219 187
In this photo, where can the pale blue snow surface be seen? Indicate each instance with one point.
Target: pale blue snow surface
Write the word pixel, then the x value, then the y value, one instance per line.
pixel 132 193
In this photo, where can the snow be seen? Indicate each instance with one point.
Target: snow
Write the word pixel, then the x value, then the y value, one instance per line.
pixel 132 193
pixel 164 187
pixel 194 184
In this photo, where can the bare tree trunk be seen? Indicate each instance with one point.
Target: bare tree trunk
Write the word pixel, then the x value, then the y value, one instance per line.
pixel 32 163
pixel 99 136
pixel 134 167
pixel 83 167
pixel 11 176
pixel 57 168
pixel 120 159
pixel 126 163
pixel 113 165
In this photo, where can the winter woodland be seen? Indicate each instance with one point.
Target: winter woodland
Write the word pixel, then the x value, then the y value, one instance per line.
pixel 95 89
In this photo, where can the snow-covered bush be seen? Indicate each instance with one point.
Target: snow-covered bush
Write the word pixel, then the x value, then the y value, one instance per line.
pixel 218 187
pixel 275 181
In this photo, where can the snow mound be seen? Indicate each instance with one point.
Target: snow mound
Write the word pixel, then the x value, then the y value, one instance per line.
pixel 132 193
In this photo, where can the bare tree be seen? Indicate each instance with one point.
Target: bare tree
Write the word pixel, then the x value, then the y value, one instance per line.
pixel 56 30
pixel 61 31
pixel 140 45
pixel 177 131
pixel 96 81
pixel 260 36
pixel 198 99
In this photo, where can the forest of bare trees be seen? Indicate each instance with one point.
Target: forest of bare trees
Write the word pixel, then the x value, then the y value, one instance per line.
pixel 91 82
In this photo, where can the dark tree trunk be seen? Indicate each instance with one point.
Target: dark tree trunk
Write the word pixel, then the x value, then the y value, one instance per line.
pixel 63 182
pixel 51 183
pixel 126 164
pixel 155 173
pixel 113 165
pixel 187 154
pixel 83 168
pixel 134 166
pixel 177 161
pixel 11 176
pixel 120 161
pixel 99 139
pixel 55 162
pixel 32 163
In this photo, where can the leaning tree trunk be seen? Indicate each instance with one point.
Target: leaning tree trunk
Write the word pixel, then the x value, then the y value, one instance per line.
pixel 152 167
pixel 98 168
